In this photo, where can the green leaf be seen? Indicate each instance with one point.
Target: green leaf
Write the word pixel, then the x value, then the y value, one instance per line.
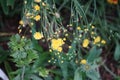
pixel 17 77
pixel 4 6
pixel 10 3
pixel 117 52
pixel 3 54
pixel 34 77
pixel 93 54
pixel 8 69
pixel 64 69
pixel 78 75
pixel 93 75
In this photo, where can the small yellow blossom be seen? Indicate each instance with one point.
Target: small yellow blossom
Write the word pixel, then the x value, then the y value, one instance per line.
pixel 21 22
pixel 62 61
pixel 65 30
pixel 80 35
pixel 25 2
pixel 70 47
pixel 56 44
pixel 28 14
pixel 31 23
pixel 49 61
pixel 112 1
pixel 78 28
pixel 23 37
pixel 92 32
pixel 37 1
pixel 85 43
pixel 103 42
pixel 83 61
pixel 20 30
pixel 37 35
pixel 66 34
pixel 71 25
pixel 64 39
pixel 59 49
pixel 50 50
pixel 85 30
pixel 37 7
pixel 93 27
pixel 57 15
pixel 76 61
pixel 37 18
pixel 97 39
pixel 30 31
pixel 43 4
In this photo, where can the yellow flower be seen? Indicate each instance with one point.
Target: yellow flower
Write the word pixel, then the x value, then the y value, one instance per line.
pixel 112 1
pixel 37 7
pixel 78 28
pixel 97 39
pixel 85 43
pixel 37 18
pixel 103 42
pixel 43 4
pixel 93 27
pixel 28 14
pixel 56 44
pixel 66 34
pixel 70 47
pixel 21 22
pixel 37 1
pixel 50 50
pixel 92 32
pixel 64 39
pixel 83 61
pixel 59 49
pixel 37 35
pixel 20 30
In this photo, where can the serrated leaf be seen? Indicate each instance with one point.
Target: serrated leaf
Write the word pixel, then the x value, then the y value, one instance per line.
pixel 117 52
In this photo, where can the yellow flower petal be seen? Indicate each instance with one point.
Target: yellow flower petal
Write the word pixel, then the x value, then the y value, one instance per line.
pixel 97 39
pixel 83 61
pixel 78 28
pixel 112 1
pixel 37 35
pixel 37 18
pixel 37 1
pixel 21 22
pixel 56 44
pixel 37 7
pixel 103 42
pixel 85 43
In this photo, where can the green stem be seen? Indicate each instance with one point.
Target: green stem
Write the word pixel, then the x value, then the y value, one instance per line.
pixel 23 72
pixel 9 70
pixel 108 70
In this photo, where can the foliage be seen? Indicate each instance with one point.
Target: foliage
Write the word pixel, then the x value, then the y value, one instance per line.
pixel 75 40
pixel 22 51
pixel 8 5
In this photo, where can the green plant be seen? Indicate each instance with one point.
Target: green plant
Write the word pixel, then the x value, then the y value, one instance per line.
pixel 74 48
pixel 7 6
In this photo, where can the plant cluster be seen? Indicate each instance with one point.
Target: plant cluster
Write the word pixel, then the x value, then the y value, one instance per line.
pixel 74 44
